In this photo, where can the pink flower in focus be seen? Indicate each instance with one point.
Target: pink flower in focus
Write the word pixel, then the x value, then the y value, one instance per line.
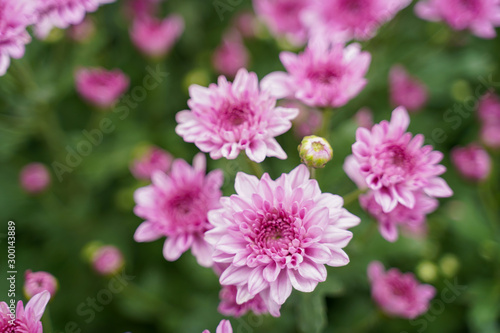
pixel 155 159
pixel 15 16
pixel 224 327
pixel 480 16
pixel 101 87
pixel 364 118
pixel 395 165
pixel 155 37
pixel 230 117
pixel 27 320
pixel 62 13
pixel 405 90
pixel 107 260
pixel 230 56
pixel 176 206
pixel 472 161
pixel 83 31
pixel 34 178
pixel 279 234
pixel 399 294
pixel 324 75
pixel 283 17
pixel 36 282
pixel 307 122
pixel 229 307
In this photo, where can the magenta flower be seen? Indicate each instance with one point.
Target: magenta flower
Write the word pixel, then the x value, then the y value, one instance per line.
pixel 324 75
pixel 399 294
pixel 36 282
pixel 107 260
pixel 100 87
pixel 489 108
pixel 34 178
pixel 275 235
pixel 26 320
pixel 395 165
pixel 224 327
pixel 62 13
pixel 230 117
pixel 15 16
pixel 155 37
pixel 490 135
pixel 229 307
pixel 480 16
pixel 364 118
pixel 231 55
pixel 176 206
pixel 155 159
pixel 472 161
pixel 406 90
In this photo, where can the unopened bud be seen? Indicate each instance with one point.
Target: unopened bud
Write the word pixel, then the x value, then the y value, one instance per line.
pixel 315 151
pixel 36 282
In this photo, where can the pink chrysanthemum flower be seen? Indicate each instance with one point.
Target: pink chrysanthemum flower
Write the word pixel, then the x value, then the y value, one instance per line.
pixel 107 260
pixel 230 117
pixel 34 177
pixel 101 87
pixel 480 16
pixel 36 282
pixel 176 206
pixel 472 161
pixel 344 20
pixel 406 90
pixel 324 75
pixel 395 165
pixel 279 234
pixel 399 294
pixel 62 13
pixel 155 159
pixel 229 307
pixel 15 16
pixel 230 55
pixel 283 17
pixel 224 327
pixel 27 320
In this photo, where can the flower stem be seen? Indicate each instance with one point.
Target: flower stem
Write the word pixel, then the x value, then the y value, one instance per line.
pixel 353 196
pixel 46 321
pixel 256 167
pixel 325 124
pixel 312 171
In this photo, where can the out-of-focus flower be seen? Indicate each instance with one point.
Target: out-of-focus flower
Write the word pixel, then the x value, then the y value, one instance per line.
pixel 155 37
pixel 176 206
pixel 15 16
pixel 136 9
pixel 155 159
pixel 246 24
pixel 472 161
pixel 34 177
pixel 307 122
pixel 395 165
pixel 83 31
pixel 224 327
pixel 62 13
pixel 489 108
pixel 480 16
pixel 229 307
pixel 364 118
pixel 101 87
pixel 283 17
pixel 315 151
pixel 231 55
pixel 344 20
pixel 399 294
pixel 227 118
pixel 406 90
pixel 490 135
pixel 36 282
pixel 107 260
pixel 279 234
pixel 26 320
pixel 324 75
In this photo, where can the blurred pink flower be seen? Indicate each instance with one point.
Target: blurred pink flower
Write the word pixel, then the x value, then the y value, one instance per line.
pixel 230 55
pixel 34 177
pixel 155 159
pixel 364 118
pixel 472 161
pixel 343 20
pixel 246 24
pixel 136 9
pixel 15 16
pixel 36 282
pixel 62 13
pixel 83 31
pixel 154 37
pixel 307 122
pixel 399 294
pixel 229 307
pixel 101 87
pixel 324 75
pixel 107 260
pixel 489 108
pixel 176 206
pixel 406 90
pixel 283 17
pixel 279 234
pixel 480 16
pixel 27 320
pixel 490 134
pixel 230 117
pixel 395 165
pixel 224 327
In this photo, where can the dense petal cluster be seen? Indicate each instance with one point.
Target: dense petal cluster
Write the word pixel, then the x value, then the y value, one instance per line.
pixel 406 90
pixel 472 161
pixel 275 235
pixel 229 307
pixel 324 75
pixel 27 320
pixel 155 159
pixel 399 294
pixel 34 177
pixel 230 117
pixel 176 206
pixel 480 16
pixel 36 282
pixel 224 327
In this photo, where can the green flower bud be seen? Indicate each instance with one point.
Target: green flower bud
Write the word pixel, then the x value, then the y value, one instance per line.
pixel 315 151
